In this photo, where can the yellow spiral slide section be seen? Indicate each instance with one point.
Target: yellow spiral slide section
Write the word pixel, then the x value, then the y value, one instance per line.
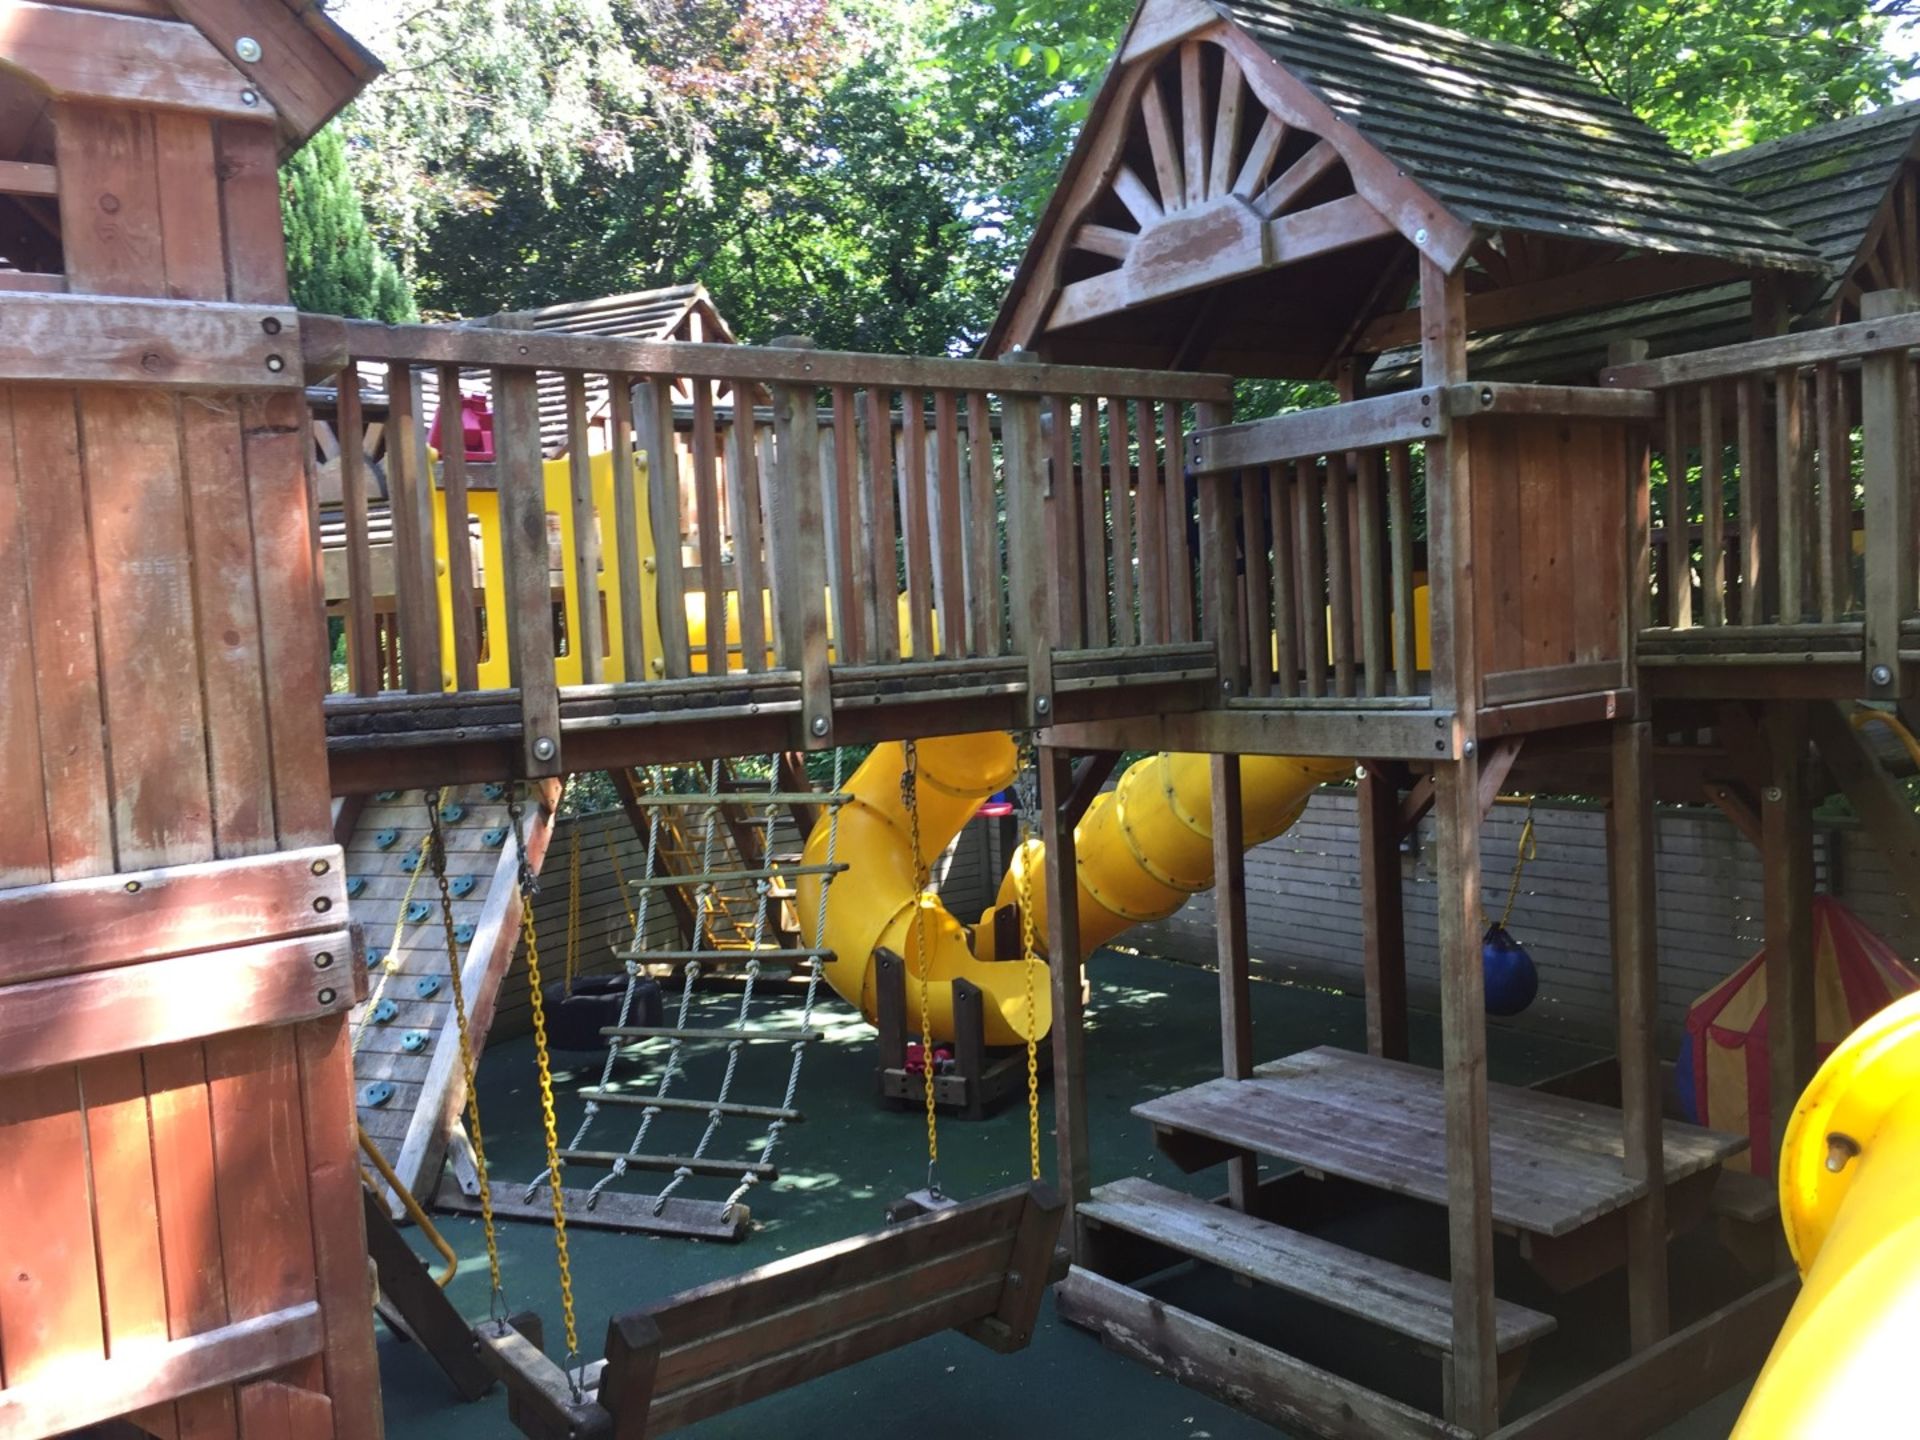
pixel 1142 850
pixel 1850 1201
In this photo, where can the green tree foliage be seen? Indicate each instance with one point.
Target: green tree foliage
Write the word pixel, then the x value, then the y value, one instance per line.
pixel 332 262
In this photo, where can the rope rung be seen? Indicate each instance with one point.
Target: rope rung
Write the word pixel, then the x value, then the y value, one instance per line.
pixel 692 1164
pixel 732 957
pixel 743 799
pixel 715 877
pixel 725 1034
pixel 698 1107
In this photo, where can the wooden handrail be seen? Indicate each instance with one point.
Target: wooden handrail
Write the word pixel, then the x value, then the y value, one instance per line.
pixel 328 342
pixel 1759 357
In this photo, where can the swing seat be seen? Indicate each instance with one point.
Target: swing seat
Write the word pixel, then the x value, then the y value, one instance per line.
pixel 980 1267
pixel 574 1022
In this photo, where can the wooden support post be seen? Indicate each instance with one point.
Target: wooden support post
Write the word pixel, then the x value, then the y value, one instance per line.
pixel 1033 600
pixel 1786 825
pixel 1219 551
pixel 1888 480
pixel 1065 970
pixel 409 1288
pixel 523 536
pixel 1230 927
pixel 1383 913
pixel 1473 1394
pixel 797 552
pixel 1630 842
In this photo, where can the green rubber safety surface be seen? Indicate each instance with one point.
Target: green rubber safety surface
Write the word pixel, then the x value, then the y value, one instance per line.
pixel 1152 1027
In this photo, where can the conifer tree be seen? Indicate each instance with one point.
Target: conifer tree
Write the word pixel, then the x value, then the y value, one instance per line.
pixel 332 262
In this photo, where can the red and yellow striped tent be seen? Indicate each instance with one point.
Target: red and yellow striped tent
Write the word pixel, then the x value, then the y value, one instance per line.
pixel 1856 974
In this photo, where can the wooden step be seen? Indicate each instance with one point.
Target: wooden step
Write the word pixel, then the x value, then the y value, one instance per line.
pixel 1404 1301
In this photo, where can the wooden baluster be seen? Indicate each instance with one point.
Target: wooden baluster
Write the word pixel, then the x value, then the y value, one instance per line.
pixel 853 595
pixel 529 588
pixel 1150 515
pixel 1679 536
pixel 1370 574
pixel 1121 488
pixel 1340 571
pixel 1757 588
pixel 1221 603
pixel 706 509
pixel 363 645
pixel 627 501
pixel 949 523
pixel 1793 482
pixel 1063 526
pixel 1180 566
pixel 983 530
pixel 917 525
pixel 1400 539
pixel 1713 516
pixel 410 490
pixel 453 483
pixel 796 527
pixel 1286 583
pixel 1093 525
pixel 883 528
pixel 588 637
pixel 743 495
pixel 1032 594
pixel 663 509
pixel 1308 542
pixel 1834 559
pixel 1253 520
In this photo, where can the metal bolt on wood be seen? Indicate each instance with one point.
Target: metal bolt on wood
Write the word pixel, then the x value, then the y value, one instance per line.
pixel 247 48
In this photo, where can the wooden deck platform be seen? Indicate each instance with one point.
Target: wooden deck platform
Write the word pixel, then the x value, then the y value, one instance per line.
pixel 1556 1162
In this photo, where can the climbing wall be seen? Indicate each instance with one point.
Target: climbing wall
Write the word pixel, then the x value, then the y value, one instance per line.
pixel 407 1073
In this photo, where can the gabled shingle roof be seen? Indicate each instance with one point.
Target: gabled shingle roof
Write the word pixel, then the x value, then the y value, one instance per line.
pixel 1509 138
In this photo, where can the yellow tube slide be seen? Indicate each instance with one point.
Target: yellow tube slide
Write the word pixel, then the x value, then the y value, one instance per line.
pixel 1142 850
pixel 1850 1201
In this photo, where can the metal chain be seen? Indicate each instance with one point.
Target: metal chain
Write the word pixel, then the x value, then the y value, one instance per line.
pixel 550 1131
pixel 910 798
pixel 1030 960
pixel 434 849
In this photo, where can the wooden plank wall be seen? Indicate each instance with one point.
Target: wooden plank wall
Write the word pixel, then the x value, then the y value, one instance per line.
pixel 162 664
pixel 1305 911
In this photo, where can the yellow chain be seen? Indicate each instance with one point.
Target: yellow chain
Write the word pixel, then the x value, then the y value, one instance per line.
pixel 1023 885
pixel 530 937
pixel 467 1067
pixel 620 878
pixel 910 793
pixel 573 910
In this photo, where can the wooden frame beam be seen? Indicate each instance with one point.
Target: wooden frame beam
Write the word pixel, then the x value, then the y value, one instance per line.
pixel 124 60
pixel 168 344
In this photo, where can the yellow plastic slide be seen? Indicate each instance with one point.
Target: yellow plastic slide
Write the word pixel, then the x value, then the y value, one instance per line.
pixel 1142 850
pixel 1849 1178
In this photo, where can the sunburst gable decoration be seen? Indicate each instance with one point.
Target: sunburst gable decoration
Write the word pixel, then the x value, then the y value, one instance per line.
pixel 1208 183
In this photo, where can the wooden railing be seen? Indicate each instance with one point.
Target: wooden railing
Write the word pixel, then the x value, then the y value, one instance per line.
pixel 882 512
pixel 1788 512
pixel 1311 549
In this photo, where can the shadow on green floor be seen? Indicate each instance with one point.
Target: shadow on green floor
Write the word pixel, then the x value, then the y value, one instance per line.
pixel 1152 1028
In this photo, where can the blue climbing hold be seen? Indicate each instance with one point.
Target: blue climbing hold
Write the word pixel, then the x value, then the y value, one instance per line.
pixel 427 986
pixel 410 862
pixel 463 934
pixel 414 1041
pixel 496 837
pixel 356 886
pixel 384 1012
pixel 417 911
pixel 375 955
pixel 494 791
pixel 373 1096
pixel 460 886
pixel 386 839
pixel 452 813
pixel 1511 979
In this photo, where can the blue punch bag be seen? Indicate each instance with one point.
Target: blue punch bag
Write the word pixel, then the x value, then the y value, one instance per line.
pixel 1511 980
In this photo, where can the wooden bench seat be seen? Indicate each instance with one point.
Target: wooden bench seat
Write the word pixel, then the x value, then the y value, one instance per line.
pixel 1407 1302
pixel 980 1267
